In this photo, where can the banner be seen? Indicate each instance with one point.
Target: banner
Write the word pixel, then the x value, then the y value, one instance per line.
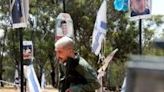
pixel 32 79
pixel 29 72
pixel 19 11
pixel 64 26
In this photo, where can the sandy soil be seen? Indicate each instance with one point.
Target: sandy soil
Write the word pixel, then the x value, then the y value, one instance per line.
pixel 12 89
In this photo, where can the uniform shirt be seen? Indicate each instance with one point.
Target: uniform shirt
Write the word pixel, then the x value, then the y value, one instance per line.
pixel 87 72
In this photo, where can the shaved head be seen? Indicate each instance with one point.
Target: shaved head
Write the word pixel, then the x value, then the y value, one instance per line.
pixel 64 42
pixel 64 48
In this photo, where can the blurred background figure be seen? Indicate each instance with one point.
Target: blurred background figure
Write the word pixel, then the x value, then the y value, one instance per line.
pixel 17 82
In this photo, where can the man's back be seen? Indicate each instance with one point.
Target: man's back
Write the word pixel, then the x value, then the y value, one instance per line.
pixel 83 76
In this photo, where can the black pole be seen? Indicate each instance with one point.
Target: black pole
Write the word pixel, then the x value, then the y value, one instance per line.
pixel 140 36
pixel 64 6
pixel 21 56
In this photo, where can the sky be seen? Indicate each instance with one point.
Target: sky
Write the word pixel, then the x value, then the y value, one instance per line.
pixel 157 9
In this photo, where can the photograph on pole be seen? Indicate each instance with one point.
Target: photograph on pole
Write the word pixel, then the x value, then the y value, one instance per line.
pixel 140 9
pixel 63 24
pixel 27 52
pixel 19 10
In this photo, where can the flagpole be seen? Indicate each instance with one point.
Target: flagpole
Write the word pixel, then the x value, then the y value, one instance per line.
pixel 103 58
pixel 64 6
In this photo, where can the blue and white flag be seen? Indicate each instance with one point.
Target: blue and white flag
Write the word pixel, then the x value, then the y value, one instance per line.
pixel 100 28
pixel 32 80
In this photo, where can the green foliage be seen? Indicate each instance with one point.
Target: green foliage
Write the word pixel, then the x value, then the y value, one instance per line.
pixel 8 69
pixel 115 74
pixel 121 34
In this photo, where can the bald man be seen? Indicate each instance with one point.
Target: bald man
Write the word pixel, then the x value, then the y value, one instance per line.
pixel 76 74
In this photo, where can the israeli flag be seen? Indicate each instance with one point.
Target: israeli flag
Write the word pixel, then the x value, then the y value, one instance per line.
pixel 33 82
pixel 100 28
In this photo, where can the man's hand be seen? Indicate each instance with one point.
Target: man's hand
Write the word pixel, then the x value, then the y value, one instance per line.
pixel 68 90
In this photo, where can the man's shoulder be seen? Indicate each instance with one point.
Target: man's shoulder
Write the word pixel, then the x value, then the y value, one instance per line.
pixel 84 64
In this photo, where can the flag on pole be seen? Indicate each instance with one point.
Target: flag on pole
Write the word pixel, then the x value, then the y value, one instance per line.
pixel 32 80
pixel 100 28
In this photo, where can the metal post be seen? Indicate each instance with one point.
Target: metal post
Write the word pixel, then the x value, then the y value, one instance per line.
pixel 21 57
pixel 140 36
pixel 64 6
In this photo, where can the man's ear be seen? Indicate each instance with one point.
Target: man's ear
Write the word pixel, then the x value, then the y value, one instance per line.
pixel 71 51
pixel 68 51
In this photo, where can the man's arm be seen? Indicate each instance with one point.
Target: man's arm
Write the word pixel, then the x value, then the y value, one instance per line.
pixel 62 84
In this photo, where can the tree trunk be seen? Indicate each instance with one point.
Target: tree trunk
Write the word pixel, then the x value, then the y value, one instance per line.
pixel 1 57
pixel 1 69
pixel 52 71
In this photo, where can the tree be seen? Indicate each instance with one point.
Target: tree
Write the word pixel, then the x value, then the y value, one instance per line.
pixel 122 34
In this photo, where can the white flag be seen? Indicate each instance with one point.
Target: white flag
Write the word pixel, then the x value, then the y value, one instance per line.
pixel 43 81
pixel 100 28
pixel 32 80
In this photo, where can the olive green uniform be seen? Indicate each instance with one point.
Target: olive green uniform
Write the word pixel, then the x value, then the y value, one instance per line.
pixel 84 76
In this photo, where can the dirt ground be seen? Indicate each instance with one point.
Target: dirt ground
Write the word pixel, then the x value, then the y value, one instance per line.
pixel 12 89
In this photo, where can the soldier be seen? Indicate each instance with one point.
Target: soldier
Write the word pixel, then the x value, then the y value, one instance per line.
pixel 76 74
